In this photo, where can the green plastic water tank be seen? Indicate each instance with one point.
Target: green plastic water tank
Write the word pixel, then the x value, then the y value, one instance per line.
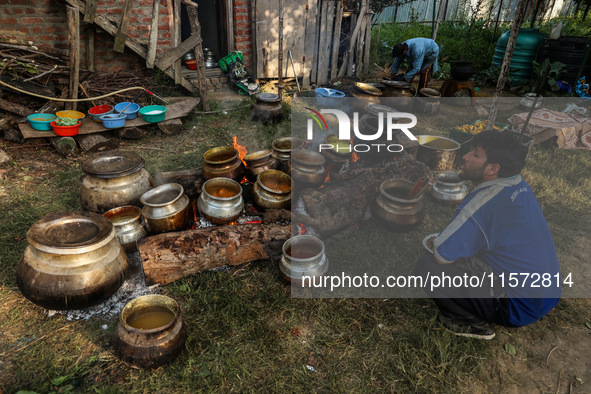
pixel 526 49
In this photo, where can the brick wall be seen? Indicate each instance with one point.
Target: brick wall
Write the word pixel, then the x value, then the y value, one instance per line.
pixel 45 23
pixel 243 31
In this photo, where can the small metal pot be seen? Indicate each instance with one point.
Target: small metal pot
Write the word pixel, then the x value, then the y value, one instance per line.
pixel 223 162
pixel 113 179
pixel 73 261
pixel 272 190
pixel 307 168
pixel 393 210
pixel 282 148
pixel 303 256
pixel 449 188
pixel 129 225
pixel 166 208
pixel 221 200
pixel 150 332
pixel 258 162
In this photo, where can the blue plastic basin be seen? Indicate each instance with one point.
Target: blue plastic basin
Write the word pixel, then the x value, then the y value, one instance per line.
pixel 112 122
pixel 130 112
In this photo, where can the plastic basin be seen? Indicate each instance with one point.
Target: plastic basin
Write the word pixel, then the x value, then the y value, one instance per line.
pixel 329 97
pixel 130 112
pixel 65 131
pixel 100 110
pixel 70 114
pixel 111 121
pixel 153 113
pixel 41 122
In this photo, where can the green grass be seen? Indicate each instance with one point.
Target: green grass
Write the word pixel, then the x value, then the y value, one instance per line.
pixel 245 331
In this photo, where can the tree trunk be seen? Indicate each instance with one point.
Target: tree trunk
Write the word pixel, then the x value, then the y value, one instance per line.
pixel 171 256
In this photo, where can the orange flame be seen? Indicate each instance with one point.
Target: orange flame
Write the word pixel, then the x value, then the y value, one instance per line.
pixel 254 222
pixel 327 176
pixel 241 149
pixel 354 157
pixel 244 180
pixel 302 228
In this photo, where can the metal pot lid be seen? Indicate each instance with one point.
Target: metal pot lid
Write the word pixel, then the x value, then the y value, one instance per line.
pixel 112 164
pixel 367 88
pixel 71 232
pixel 267 97
pixel 397 84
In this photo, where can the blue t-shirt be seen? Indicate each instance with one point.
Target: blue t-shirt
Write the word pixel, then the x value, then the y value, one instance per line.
pixel 502 222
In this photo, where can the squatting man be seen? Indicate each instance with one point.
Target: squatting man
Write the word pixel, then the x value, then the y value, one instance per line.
pixel 498 231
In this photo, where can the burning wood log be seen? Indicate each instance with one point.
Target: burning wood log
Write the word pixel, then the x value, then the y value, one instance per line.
pixel 171 256
pixel 344 199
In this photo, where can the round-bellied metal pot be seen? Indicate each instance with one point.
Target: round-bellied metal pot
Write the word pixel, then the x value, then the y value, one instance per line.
pixel 73 261
pixel 307 168
pixel 449 188
pixel 267 108
pixel 166 208
pixel 221 200
pixel 282 148
pixel 113 179
pixel 258 162
pixel 272 190
pixel 391 208
pixel 129 225
pixel 438 153
pixel 150 332
pixel 303 258
pixel 222 162
pixel 337 152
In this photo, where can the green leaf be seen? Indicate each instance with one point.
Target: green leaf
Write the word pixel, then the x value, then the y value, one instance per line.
pixel 588 324
pixel 510 349
pixel 59 380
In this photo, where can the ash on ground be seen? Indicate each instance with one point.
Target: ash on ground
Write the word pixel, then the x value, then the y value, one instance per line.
pixel 133 287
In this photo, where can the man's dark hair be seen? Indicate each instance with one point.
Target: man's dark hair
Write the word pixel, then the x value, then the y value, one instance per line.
pixel 502 148
pixel 398 50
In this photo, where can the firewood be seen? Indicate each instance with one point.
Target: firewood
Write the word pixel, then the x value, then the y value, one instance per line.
pixel 96 142
pixel 132 133
pixel 171 256
pixel 186 178
pixel 14 135
pixel 15 108
pixel 171 127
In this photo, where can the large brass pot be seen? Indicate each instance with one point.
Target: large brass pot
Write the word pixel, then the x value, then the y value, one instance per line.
pixel 272 190
pixel 73 261
pixel 166 208
pixel 282 148
pixel 391 208
pixel 258 162
pixel 307 168
pixel 113 179
pixel 223 162
pixel 129 225
pixel 221 200
pixel 438 153
pixel 150 331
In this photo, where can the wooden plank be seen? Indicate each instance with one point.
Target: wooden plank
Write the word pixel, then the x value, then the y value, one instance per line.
pixel 321 60
pixel 121 35
pixel 170 56
pixel 267 20
pixel 294 34
pixel 74 52
pixel 367 45
pixel 153 41
pixel 310 42
pixel 176 37
pixel 89 126
pixel 336 40
pixel 90 10
pixel 90 49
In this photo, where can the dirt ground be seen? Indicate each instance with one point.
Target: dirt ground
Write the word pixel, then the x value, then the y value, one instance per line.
pixel 553 355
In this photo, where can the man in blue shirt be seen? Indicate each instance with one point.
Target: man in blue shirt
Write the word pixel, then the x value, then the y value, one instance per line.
pixel 421 54
pixel 498 241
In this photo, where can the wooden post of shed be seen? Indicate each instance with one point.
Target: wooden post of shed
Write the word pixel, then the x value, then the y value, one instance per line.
pixel 74 48
pixel 196 29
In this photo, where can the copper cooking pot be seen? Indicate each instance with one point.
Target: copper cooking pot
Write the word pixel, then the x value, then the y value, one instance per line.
pixel 166 208
pixel 224 162
pixel 150 332
pixel 73 261
pixel 272 190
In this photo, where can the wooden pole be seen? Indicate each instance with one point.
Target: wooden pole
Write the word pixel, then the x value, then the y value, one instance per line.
pixel 497 22
pixel 438 19
pixel 517 22
pixel 196 29
pixel 280 54
pixel 153 42
pixel 90 49
pixel 74 49
pixel 176 38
